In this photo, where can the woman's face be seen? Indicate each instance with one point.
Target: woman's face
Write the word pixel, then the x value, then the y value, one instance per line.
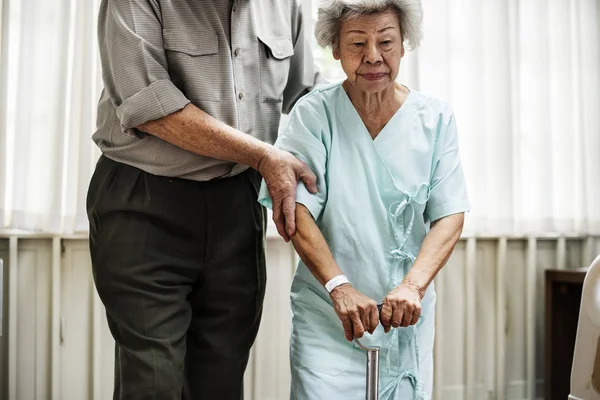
pixel 370 48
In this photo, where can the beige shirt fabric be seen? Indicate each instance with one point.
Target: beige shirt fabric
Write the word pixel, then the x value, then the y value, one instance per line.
pixel 244 62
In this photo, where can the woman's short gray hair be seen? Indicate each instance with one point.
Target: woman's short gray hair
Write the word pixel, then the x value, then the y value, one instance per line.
pixel 331 12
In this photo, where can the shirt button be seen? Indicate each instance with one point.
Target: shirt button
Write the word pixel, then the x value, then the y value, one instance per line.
pixel 236 52
pixel 240 95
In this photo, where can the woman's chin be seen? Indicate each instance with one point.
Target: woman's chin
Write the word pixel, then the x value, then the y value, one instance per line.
pixel 375 86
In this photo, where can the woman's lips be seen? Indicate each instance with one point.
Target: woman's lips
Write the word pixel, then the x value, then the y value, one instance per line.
pixel 373 77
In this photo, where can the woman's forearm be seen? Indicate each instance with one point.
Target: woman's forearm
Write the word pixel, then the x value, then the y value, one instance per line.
pixel 435 251
pixel 357 312
pixel 312 247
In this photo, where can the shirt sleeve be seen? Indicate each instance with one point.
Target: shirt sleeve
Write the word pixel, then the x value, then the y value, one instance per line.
pixel 448 190
pixel 303 74
pixel 134 64
pixel 305 137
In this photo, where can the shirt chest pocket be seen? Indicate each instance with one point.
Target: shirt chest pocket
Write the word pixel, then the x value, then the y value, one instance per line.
pixel 275 58
pixel 193 61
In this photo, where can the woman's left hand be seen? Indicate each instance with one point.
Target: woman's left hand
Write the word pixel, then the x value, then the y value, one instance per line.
pixel 401 307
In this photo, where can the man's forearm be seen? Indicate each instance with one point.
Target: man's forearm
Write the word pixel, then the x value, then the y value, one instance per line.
pixel 194 130
pixel 435 251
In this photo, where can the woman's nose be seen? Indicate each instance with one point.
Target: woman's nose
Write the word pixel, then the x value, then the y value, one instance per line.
pixel 372 54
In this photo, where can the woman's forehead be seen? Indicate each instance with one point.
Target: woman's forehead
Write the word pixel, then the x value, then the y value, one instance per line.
pixel 370 23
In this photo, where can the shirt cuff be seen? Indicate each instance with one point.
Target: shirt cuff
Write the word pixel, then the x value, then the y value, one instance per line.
pixel 158 100
pixel 309 200
pixel 441 210
pixel 303 196
pixel 263 196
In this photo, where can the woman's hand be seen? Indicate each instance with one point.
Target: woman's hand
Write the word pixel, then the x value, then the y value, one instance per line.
pixel 401 307
pixel 357 312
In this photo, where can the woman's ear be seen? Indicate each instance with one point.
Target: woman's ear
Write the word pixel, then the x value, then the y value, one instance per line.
pixel 402 52
pixel 336 52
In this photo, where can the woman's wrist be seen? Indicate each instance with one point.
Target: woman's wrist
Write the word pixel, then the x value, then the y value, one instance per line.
pixel 335 282
pixel 415 286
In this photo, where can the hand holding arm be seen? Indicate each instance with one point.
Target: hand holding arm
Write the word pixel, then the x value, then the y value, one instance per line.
pixel 194 130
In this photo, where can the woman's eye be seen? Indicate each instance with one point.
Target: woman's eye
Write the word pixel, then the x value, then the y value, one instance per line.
pixel 358 44
pixel 386 42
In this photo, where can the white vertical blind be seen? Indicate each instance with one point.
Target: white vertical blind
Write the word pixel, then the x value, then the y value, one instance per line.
pixel 50 86
pixel 522 77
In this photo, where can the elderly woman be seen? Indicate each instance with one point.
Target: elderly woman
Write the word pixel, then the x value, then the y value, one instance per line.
pixel 387 215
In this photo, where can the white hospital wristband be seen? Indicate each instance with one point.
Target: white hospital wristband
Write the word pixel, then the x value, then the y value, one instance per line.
pixel 335 282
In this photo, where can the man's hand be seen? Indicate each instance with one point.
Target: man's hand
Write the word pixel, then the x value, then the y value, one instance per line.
pixel 401 307
pixel 281 171
pixel 357 312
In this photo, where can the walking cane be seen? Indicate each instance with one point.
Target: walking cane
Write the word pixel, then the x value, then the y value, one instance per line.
pixel 372 371
pixel 372 368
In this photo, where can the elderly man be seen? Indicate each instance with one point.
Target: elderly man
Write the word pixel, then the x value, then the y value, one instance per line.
pixel 193 92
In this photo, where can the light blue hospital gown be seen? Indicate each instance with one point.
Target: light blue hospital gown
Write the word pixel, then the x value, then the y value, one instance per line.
pixel 374 203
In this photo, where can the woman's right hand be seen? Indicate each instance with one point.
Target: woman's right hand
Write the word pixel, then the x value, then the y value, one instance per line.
pixel 358 313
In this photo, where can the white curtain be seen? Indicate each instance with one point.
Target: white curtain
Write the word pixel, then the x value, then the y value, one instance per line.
pixel 50 86
pixel 522 77
pixel 523 80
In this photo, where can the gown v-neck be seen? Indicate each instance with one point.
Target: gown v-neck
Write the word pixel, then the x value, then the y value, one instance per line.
pixel 361 123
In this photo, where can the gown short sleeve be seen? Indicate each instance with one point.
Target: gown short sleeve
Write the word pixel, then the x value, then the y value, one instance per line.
pixel 306 137
pixel 448 191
